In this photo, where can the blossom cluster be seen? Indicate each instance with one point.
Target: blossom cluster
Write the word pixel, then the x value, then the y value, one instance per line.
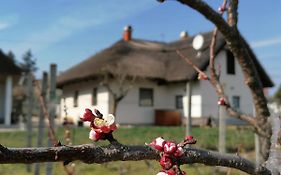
pixel 170 152
pixel 100 125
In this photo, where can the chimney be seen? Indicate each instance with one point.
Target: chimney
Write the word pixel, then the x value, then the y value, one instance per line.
pixel 127 35
pixel 183 35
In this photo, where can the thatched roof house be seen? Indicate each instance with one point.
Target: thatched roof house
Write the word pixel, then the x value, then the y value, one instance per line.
pixel 162 79
pixel 150 59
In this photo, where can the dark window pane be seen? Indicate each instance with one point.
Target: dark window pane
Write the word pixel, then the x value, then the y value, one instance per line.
pixel 236 102
pixel 230 63
pixel 146 97
pixel 179 104
pixel 75 99
pixel 94 96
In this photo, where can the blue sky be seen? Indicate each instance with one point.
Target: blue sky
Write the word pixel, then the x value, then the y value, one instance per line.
pixel 68 31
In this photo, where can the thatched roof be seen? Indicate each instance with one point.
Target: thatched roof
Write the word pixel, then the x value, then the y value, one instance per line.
pixel 149 59
pixel 8 66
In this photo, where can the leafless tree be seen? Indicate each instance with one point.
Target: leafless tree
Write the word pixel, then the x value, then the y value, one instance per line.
pixel 118 85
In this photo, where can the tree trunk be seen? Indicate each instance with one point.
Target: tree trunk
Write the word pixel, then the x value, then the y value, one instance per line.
pixel 265 142
pixel 29 115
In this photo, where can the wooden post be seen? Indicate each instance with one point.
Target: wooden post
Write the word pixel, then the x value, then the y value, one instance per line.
pixel 222 129
pixel 257 142
pixel 52 108
pixel 188 118
pixel 8 100
pixel 29 114
pixel 41 119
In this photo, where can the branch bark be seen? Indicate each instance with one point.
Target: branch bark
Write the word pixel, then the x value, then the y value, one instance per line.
pixel 241 51
pixel 90 153
pixel 235 41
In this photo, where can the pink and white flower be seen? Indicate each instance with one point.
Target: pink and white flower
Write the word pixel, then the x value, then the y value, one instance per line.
pixel 158 143
pixel 170 147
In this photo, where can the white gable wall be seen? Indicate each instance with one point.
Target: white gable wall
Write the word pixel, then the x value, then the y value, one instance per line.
pixel 233 86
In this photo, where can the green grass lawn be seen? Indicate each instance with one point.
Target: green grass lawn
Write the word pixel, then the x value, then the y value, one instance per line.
pixel 207 138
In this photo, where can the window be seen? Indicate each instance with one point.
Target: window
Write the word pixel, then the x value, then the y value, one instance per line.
pixel 95 96
pixel 179 104
pixel 146 97
pixel 75 99
pixel 230 63
pixel 236 102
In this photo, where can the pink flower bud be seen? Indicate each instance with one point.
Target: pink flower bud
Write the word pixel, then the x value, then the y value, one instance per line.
pixel 166 162
pixel 188 138
pixel 88 116
pixel 221 9
pixel 202 76
pixel 158 143
pixel 95 136
pixel 179 152
pixel 221 102
pixel 170 147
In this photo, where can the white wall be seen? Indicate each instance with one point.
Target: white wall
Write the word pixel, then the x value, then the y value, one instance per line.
pixel 84 100
pixel 233 86
pixel 129 111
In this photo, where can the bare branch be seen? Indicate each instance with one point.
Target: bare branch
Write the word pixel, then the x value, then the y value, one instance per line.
pixel 43 106
pixel 90 153
pixel 233 13
pixel 190 63
pixel 219 89
pixel 239 48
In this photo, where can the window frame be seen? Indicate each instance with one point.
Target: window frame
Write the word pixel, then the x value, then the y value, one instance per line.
pixel 142 90
pixel 178 104
pixel 75 98
pixel 234 104
pixel 94 96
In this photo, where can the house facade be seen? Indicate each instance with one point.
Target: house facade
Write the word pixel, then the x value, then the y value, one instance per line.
pixel 164 88
pixel 9 74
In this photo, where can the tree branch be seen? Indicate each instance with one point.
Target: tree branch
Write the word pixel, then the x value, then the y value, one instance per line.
pixel 238 47
pixel 90 153
pixel 233 13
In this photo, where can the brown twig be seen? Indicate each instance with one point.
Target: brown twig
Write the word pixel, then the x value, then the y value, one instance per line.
pixel 190 63
pixel 51 132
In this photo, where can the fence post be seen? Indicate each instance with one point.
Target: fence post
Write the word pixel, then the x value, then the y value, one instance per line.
pixel 29 114
pixel 222 129
pixel 52 108
pixel 41 119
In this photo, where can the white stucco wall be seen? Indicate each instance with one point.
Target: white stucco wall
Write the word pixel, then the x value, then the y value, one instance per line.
pixel 129 111
pixel 233 86
pixel 84 99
